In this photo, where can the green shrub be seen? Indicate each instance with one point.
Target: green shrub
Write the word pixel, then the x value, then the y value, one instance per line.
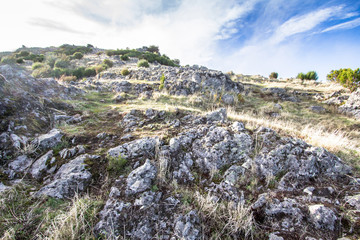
pixel 62 63
pixel 125 72
pixel 20 60
pixel 71 49
pixel 90 72
pixel 346 77
pixel 64 78
pixel 37 65
pixel 143 63
pixel 311 75
pixel 273 75
pixel 42 72
pixel 124 57
pixel 79 72
pixel 35 57
pixel 116 164
pixel 162 82
pixel 101 67
pixel 8 60
pixel 77 55
pixel 108 62
pixel 50 60
pixel 58 72
pixel 23 54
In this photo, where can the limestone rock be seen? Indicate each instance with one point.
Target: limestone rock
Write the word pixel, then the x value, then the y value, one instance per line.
pixel 141 178
pixel 70 178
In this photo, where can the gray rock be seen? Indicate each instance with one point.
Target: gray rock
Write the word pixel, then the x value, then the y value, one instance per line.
pixel 147 198
pixel 187 227
pixel 108 226
pixel 353 201
pixel 323 217
pixel 317 109
pixel 71 152
pixel 217 116
pixel 233 174
pixel 238 127
pixel 19 165
pixel 285 214
pixel 274 236
pixel 141 178
pixel 49 140
pixel 41 165
pixel 228 99
pixel 3 187
pixel 70 178
pixel 137 148
pixel 352 105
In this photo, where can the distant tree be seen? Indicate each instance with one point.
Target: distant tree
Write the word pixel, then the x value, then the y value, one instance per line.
pixel 153 49
pixel 311 75
pixel 346 77
pixel 273 75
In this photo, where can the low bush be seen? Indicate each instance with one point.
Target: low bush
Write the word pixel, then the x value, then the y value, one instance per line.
pixel 143 63
pixel 20 60
pixel 8 60
pixel 23 54
pixel 62 63
pixel 68 49
pixel 77 55
pixel 35 57
pixel 37 65
pixel 89 72
pixel 42 72
pixel 108 62
pixel 64 78
pixel 125 72
pixel 116 164
pixel 125 57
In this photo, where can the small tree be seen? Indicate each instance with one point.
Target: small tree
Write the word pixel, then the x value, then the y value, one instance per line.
pixel 311 75
pixel 153 49
pixel 78 55
pixel 273 75
pixel 346 77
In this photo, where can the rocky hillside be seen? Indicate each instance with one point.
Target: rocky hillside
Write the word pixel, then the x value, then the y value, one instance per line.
pixel 173 152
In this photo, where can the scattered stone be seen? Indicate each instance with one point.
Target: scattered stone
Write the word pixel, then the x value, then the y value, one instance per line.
pixel 317 109
pixel 41 165
pixel 323 217
pixel 49 140
pixel 352 105
pixel 135 149
pixel 19 165
pixel 70 178
pixel 187 227
pixel 141 178
pixel 217 116
pixel 228 99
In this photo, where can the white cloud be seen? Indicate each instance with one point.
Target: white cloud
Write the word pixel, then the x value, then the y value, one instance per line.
pixel 304 23
pixel 346 25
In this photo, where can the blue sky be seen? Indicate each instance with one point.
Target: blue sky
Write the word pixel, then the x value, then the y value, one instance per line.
pixel 249 37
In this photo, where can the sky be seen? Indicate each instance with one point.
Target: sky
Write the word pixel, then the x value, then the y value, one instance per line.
pixel 247 37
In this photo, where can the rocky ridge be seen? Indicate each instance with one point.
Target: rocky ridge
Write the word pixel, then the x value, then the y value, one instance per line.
pixel 284 188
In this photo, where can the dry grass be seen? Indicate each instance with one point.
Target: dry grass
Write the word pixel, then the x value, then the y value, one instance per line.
pixel 226 218
pixel 77 223
pixel 316 135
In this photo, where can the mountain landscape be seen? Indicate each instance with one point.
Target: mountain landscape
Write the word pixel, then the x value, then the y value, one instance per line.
pixel 130 144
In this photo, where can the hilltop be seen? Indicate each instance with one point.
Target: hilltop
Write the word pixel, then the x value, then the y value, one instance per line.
pixel 129 144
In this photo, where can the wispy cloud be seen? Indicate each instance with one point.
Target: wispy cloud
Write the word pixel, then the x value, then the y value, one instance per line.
pixel 346 25
pixel 304 23
pixel 53 25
